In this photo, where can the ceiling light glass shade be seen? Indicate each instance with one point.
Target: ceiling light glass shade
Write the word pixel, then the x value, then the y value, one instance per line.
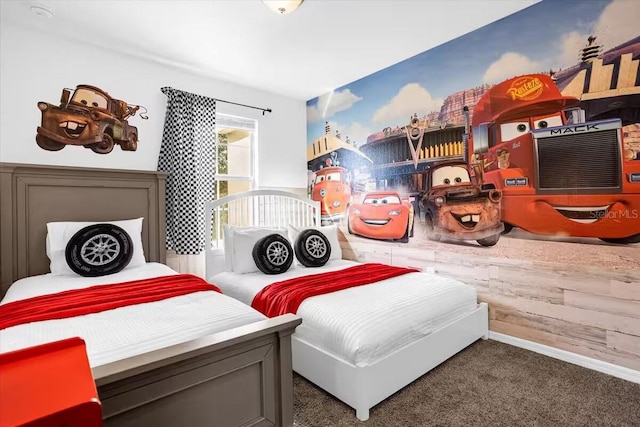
pixel 282 6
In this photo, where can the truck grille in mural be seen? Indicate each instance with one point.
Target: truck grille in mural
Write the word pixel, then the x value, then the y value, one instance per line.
pixel 584 162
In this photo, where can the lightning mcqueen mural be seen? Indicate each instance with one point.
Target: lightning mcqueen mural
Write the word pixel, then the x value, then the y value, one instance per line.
pixel 382 215
pixel 456 206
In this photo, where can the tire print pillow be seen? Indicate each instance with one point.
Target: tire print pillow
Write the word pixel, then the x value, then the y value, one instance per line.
pixel 273 254
pixel 99 250
pixel 312 248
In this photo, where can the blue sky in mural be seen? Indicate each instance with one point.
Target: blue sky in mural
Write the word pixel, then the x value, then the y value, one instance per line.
pixel 545 36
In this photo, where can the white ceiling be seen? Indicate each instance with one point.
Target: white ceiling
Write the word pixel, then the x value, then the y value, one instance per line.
pixel 321 46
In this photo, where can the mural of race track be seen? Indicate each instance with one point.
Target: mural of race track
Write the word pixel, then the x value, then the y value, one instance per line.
pixel 549 134
pixel 520 245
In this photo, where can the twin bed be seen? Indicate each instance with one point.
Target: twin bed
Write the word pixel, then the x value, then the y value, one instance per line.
pixel 187 360
pixel 208 356
pixel 360 344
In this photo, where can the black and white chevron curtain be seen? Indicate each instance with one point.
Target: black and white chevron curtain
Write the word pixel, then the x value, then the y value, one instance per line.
pixel 188 155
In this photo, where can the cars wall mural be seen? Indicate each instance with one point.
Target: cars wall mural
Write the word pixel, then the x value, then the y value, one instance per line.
pixel 529 124
pixel 89 117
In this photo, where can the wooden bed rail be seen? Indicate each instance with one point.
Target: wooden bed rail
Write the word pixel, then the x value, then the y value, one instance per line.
pixel 242 376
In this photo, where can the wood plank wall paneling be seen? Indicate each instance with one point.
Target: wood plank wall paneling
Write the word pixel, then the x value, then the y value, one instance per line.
pixel 588 311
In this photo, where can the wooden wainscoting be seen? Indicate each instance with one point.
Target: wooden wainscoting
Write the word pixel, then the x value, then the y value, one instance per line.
pixel 594 312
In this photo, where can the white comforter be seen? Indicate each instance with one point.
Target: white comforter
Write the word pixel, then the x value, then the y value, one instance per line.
pixel 126 331
pixel 364 324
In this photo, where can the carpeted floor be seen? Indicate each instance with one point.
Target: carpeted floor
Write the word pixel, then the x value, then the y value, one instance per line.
pixel 488 384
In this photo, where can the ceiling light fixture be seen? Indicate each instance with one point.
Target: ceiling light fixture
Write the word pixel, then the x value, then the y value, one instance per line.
pixel 282 7
pixel 41 11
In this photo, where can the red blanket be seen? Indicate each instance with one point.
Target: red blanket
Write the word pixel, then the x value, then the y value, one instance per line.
pixel 77 302
pixel 286 296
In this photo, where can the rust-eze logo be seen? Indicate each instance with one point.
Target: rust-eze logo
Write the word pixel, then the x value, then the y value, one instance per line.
pixel 525 89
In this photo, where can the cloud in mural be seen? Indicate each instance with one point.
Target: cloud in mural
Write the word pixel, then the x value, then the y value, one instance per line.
pixel 411 99
pixel 617 25
pixel 614 27
pixel 508 65
pixel 355 131
pixel 331 103
pixel 571 44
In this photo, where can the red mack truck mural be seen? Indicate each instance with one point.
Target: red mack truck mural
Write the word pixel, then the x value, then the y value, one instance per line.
pixel 559 175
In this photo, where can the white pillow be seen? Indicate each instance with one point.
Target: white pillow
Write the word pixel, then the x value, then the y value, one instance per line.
pixel 59 234
pixel 331 231
pixel 229 234
pixel 243 243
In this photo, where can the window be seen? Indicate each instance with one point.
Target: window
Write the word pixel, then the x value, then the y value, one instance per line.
pixel 235 155
pixel 236 158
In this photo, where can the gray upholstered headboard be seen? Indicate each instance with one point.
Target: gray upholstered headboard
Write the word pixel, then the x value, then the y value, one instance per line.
pixel 32 195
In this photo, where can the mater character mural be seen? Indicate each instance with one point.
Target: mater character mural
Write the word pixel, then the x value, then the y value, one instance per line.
pixel 89 117
pixel 459 207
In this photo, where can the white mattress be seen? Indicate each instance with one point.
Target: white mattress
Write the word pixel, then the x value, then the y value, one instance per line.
pixel 363 324
pixel 126 331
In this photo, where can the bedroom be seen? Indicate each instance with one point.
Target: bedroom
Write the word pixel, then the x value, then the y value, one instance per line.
pixel 598 320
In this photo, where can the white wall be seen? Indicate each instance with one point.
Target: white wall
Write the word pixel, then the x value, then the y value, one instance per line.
pixel 36 67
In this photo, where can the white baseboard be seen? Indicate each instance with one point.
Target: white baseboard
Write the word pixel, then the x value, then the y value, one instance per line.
pixel 577 359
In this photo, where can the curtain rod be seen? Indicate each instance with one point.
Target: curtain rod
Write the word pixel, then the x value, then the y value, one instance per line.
pixel 264 110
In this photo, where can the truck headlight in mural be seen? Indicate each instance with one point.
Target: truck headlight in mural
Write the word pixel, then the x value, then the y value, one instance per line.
pixel 382 215
pixel 89 117
pixel 456 206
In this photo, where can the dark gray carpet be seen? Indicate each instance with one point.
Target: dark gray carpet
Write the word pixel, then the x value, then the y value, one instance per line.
pixel 487 384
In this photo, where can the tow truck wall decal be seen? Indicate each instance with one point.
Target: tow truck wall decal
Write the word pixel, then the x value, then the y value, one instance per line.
pixel 88 117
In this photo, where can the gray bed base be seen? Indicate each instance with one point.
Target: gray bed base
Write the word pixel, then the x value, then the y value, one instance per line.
pixel 238 377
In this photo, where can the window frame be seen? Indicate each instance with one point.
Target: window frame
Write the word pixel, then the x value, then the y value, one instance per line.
pixel 228 121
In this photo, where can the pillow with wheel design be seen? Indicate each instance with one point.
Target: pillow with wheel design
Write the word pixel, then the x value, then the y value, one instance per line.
pixel 99 250
pixel 312 248
pixel 60 233
pixel 273 254
pixel 330 231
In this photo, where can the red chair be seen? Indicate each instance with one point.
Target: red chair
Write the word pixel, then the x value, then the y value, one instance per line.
pixel 48 385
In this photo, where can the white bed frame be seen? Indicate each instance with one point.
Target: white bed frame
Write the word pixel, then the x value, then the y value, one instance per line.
pixel 360 387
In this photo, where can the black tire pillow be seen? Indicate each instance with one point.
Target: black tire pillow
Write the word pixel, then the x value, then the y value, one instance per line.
pixel 312 248
pixel 273 254
pixel 99 250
